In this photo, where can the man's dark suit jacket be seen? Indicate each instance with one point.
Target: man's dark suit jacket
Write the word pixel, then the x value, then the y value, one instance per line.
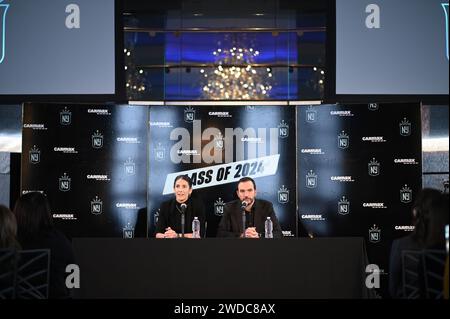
pixel 231 223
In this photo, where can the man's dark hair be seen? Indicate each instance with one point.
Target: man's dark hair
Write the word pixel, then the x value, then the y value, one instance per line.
pixel 246 179
pixel 185 178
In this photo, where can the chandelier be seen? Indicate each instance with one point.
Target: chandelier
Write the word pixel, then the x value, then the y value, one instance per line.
pixel 234 76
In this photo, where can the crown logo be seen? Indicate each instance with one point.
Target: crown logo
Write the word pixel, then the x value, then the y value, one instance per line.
pixel 159 147
pixel 129 166
pixel 283 129
pixel 160 152
pixel 128 231
pixel 343 206
pixel 64 183
pixel 405 122
pixel 283 124
pixel 65 116
pixel 189 114
pixel 219 202
pixel 344 201
pixel 405 127
pixel 311 174
pixel 96 200
pixel 406 194
pixel 374 228
pixel 374 167
pixel 129 161
pixel 96 206
pixel 34 149
pixel 343 135
pixel 343 140
pixel 283 195
pixel 374 162
pixel 65 177
pixel 97 134
pixel 35 154
pixel 311 114
pixel 406 189
pixel 65 111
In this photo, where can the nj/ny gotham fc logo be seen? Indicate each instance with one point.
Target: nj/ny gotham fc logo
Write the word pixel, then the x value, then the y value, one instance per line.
pixel 374 234
pixel 406 194
pixel 189 115
pixel 3 10
pixel 128 231
pixel 405 127
pixel 343 140
pixel 65 117
pixel 445 7
pixel 218 141
pixel 130 167
pixel 35 155
pixel 374 167
pixel 311 179
pixel 373 106
pixel 96 206
pixel 343 206
pixel 160 153
pixel 283 195
pixel 218 207
pixel 97 140
pixel 64 183
pixel 311 114
pixel 283 129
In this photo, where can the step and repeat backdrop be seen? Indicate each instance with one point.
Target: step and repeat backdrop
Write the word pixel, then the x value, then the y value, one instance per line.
pixel 329 170
pixel 359 170
pixel 218 145
pixel 90 160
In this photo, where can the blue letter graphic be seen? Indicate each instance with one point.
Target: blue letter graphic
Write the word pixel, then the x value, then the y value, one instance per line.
pixel 3 9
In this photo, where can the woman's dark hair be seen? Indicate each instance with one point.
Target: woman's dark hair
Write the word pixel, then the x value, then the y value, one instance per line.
pixel 8 228
pixel 185 178
pixel 430 214
pixel 33 215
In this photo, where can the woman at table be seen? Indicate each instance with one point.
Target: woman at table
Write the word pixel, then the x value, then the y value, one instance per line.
pixel 169 220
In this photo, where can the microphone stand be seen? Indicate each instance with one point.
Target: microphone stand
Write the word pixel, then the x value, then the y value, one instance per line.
pixel 183 211
pixel 182 224
pixel 243 220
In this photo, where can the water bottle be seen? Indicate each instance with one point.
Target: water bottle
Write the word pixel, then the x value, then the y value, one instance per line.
pixel 268 227
pixel 195 228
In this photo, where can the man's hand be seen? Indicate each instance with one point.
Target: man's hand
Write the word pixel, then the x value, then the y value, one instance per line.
pixel 170 233
pixel 251 233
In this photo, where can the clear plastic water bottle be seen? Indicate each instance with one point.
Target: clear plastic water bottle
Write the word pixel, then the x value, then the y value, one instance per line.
pixel 195 228
pixel 268 228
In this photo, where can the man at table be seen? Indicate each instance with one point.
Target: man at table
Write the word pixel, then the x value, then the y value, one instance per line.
pixel 256 213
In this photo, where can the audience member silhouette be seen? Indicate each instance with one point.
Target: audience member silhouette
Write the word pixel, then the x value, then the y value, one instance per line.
pixel 8 229
pixel 35 230
pixel 430 215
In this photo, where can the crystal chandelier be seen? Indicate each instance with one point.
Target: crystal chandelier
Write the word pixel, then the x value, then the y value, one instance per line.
pixel 234 77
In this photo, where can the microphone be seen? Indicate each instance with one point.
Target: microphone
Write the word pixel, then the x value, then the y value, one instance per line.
pixel 183 210
pixel 243 206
